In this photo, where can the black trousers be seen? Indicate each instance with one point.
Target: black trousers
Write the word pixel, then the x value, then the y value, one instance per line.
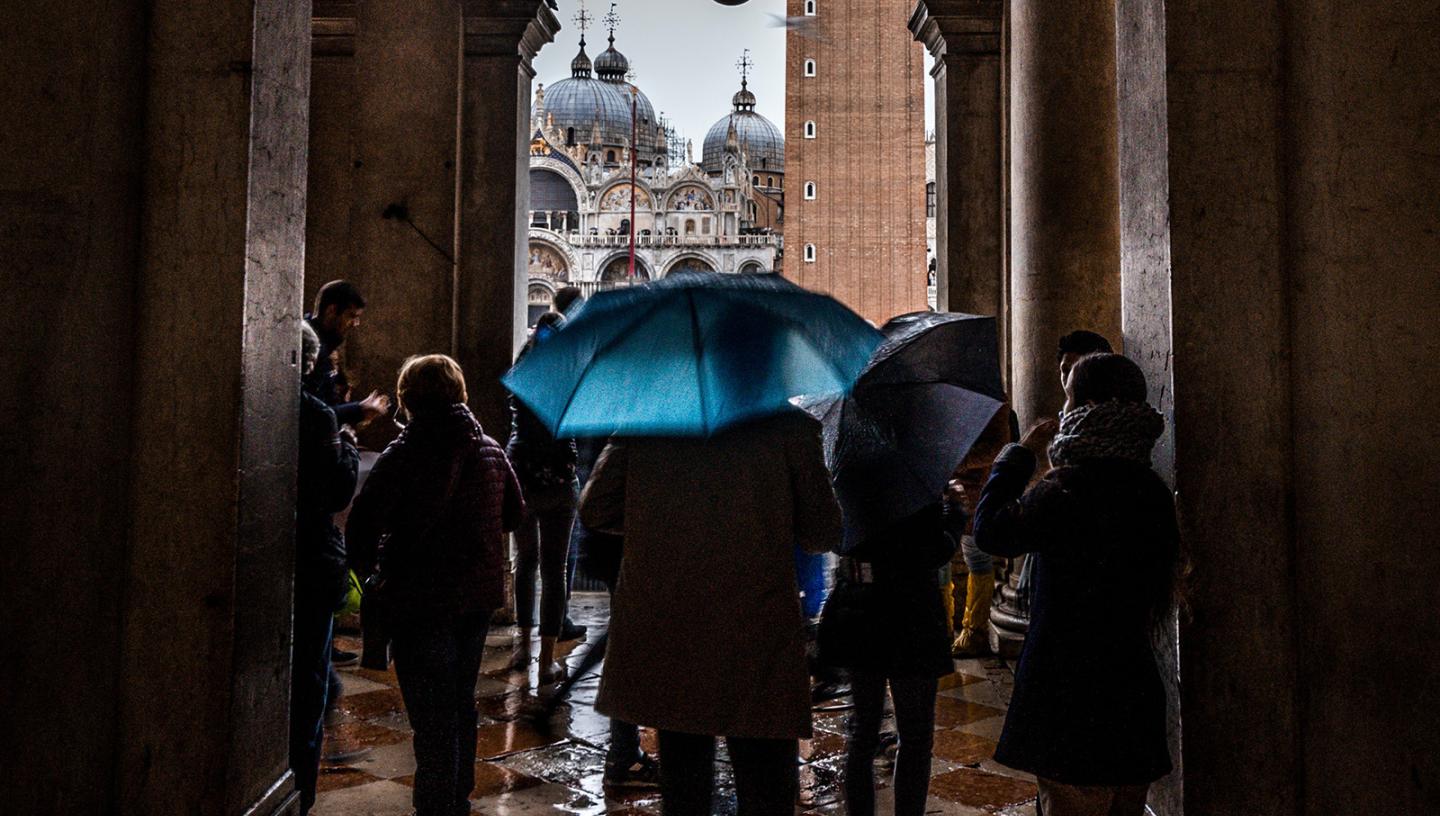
pixel 309 684
pixel 438 666
pixel 915 720
pixel 767 778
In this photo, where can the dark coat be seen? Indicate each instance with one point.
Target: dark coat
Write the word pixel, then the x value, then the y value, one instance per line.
pixel 327 383
pixel 434 512
pixel 542 462
pixel 886 614
pixel 1089 707
pixel 326 481
pixel 706 633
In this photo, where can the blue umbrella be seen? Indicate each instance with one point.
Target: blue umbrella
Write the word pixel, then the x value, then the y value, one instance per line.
pixel 691 355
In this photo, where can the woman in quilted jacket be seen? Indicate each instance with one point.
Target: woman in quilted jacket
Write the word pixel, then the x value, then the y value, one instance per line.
pixel 432 520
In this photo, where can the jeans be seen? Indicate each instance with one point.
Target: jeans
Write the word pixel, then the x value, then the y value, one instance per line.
pixel 767 777
pixel 438 666
pixel 309 685
pixel 543 541
pixel 915 720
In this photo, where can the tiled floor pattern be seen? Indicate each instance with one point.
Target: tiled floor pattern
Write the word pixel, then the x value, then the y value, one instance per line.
pixel 525 768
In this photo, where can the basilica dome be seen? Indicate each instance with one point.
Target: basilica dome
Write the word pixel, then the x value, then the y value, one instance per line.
pixel 763 143
pixel 579 103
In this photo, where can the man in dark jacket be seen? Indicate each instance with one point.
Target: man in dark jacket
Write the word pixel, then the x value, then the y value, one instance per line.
pixel 338 308
pixel 327 471
pixel 1088 714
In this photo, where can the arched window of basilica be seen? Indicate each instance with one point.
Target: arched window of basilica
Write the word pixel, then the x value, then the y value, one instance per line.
pixel 689 226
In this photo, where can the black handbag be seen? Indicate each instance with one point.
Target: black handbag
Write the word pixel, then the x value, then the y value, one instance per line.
pixel 375 625
pixel 851 625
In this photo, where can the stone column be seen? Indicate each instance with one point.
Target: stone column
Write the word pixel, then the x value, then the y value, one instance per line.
pixel 1064 189
pixel 964 38
pixel 153 212
pixel 500 39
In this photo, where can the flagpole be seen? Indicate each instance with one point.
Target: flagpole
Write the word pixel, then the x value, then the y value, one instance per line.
pixel 634 144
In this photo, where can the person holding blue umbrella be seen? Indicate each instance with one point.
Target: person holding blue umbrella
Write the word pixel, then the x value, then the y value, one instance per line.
pixel 714 479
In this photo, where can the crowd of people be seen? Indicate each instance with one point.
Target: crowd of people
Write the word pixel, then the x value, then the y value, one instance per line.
pixel 1075 497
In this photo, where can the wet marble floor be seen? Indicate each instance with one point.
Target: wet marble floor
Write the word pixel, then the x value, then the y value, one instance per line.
pixel 525 767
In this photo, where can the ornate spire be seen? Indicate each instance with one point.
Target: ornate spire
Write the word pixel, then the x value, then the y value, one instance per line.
pixel 743 99
pixel 580 66
pixel 612 21
pixel 612 66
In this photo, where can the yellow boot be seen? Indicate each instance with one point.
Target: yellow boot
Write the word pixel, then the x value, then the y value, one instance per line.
pixel 972 640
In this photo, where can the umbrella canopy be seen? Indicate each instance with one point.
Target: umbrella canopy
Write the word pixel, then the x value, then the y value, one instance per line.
pixel 922 402
pixel 690 355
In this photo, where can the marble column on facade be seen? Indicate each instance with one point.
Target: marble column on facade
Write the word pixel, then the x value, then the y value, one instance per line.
pixel 501 37
pixel 1064 189
pixel 964 38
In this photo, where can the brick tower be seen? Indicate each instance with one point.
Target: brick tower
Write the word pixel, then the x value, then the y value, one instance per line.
pixel 855 154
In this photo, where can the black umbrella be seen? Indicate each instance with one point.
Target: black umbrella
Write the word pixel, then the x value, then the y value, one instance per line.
pixel 921 403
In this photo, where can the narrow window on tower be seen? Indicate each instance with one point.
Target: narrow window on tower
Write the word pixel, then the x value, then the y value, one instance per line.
pixel 809 8
pixel 810 129
pixel 809 191
pixel 809 253
pixel 809 67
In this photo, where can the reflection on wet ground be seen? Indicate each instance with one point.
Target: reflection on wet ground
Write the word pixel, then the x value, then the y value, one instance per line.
pixel 557 768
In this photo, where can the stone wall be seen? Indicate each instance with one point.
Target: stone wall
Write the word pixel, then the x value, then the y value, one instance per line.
pixel 425 106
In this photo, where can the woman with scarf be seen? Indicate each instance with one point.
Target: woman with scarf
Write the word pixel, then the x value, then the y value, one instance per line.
pixel 1088 714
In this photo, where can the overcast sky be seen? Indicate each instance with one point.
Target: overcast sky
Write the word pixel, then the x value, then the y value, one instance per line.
pixel 683 53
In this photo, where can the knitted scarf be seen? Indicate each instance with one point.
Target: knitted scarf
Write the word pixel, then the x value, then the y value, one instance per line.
pixel 1118 430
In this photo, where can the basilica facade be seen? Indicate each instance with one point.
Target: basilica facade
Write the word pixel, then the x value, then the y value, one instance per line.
pixel 723 214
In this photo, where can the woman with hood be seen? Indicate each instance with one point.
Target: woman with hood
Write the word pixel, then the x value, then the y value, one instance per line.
pixel 1088 713
pixel 432 517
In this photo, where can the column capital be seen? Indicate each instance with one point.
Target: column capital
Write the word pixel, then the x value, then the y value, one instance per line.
pixel 503 27
pixel 958 26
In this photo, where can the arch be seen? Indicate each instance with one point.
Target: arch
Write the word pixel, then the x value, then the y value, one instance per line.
pixel 565 170
pixel 540 292
pixel 809 253
pixel 616 197
pixel 615 268
pixel 810 68
pixel 810 129
pixel 548 262
pixel 691 262
pixel 810 191
pixel 752 268
pixel 690 197
pixel 809 8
